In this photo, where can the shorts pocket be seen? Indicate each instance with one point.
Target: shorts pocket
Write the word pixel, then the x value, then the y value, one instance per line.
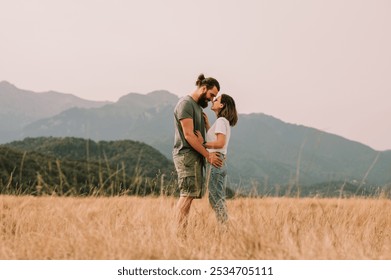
pixel 189 159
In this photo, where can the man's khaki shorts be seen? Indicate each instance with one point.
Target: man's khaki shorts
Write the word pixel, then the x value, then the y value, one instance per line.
pixel 189 167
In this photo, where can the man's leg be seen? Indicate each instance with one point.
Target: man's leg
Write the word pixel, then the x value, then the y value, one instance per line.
pixel 183 210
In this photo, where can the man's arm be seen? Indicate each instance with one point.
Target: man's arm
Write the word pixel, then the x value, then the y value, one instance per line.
pixel 191 138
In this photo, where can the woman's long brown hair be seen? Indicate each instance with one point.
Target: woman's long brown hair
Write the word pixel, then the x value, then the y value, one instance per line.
pixel 229 109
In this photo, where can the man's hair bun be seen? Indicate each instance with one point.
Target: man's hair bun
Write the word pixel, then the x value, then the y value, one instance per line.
pixel 200 79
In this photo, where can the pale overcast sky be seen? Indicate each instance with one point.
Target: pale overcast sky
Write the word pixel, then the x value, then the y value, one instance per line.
pixel 324 64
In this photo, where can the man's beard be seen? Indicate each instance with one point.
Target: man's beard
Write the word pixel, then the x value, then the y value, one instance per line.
pixel 203 101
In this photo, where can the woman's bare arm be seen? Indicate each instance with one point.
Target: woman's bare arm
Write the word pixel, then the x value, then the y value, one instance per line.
pixel 218 144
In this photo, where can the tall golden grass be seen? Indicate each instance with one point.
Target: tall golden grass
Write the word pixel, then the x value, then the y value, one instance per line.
pixel 143 228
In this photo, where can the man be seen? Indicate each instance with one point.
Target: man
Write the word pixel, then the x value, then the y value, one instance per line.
pixel 189 154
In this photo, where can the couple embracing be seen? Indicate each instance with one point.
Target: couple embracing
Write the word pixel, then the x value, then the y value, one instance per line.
pixel 197 142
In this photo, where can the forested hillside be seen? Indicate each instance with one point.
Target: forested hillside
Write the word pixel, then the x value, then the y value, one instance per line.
pixel 83 167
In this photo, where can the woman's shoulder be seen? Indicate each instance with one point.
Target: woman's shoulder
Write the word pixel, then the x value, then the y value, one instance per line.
pixel 222 119
pixel 222 122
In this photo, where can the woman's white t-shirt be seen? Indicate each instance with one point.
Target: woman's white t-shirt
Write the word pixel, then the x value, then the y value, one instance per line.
pixel 221 125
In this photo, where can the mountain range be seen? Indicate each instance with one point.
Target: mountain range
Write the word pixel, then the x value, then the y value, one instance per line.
pixel 265 153
pixel 19 108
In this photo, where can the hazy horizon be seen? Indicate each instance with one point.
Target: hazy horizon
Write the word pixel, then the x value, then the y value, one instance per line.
pixel 323 64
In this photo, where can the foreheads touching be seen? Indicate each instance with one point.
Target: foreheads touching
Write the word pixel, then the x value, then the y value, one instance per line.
pixel 209 88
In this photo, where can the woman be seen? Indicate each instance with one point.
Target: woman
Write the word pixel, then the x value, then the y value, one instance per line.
pixel 217 139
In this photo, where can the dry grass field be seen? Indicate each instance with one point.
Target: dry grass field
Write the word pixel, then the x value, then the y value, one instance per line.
pixel 125 227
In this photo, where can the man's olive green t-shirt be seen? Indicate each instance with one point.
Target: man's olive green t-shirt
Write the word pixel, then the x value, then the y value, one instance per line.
pixel 187 108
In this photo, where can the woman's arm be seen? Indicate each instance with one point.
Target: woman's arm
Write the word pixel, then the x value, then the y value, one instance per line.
pixel 206 119
pixel 218 144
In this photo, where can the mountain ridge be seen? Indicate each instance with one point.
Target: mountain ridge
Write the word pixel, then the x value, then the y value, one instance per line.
pixel 264 151
pixel 19 107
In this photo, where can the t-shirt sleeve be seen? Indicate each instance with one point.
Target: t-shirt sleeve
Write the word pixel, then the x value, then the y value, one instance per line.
pixel 184 110
pixel 221 126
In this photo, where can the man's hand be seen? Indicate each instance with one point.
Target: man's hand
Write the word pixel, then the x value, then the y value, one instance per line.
pixel 199 137
pixel 215 160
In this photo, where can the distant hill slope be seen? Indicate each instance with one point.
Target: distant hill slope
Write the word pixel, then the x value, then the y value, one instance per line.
pixel 268 149
pixel 146 118
pixel 264 152
pixel 79 164
pixel 20 107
